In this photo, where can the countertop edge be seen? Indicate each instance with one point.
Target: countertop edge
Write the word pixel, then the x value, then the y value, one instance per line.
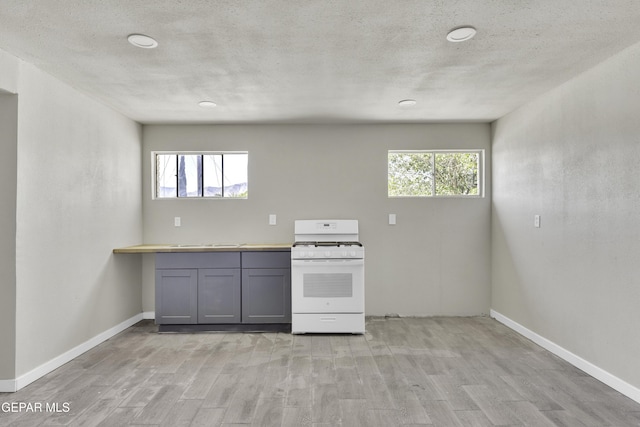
pixel 163 248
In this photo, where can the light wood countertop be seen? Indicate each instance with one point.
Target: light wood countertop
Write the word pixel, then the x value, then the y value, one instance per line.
pixel 175 248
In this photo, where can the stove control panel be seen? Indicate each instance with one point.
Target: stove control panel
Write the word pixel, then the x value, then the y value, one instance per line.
pixel 323 253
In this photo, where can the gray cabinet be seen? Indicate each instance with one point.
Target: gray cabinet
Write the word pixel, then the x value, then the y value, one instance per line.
pixel 176 296
pixel 209 288
pixel 194 287
pixel 266 295
pixel 266 287
pixel 219 295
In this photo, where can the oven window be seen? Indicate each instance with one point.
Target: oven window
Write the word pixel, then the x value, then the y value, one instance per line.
pixel 327 285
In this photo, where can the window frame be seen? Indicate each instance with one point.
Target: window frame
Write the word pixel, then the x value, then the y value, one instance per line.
pixel 481 181
pixel 154 172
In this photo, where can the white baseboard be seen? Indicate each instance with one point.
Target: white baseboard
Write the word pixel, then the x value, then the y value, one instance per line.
pixel 9 386
pixel 149 315
pixel 609 379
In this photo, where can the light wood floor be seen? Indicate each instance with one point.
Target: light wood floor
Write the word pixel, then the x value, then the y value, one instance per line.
pixel 409 371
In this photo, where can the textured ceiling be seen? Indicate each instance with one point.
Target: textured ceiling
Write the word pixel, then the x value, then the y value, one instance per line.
pixel 316 60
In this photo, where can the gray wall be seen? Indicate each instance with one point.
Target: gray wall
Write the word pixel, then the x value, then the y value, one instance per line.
pixel 78 197
pixel 8 174
pixel 9 65
pixel 435 261
pixel 572 156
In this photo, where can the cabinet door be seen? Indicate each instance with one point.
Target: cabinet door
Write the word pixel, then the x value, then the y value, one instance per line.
pixel 266 295
pixel 219 295
pixel 176 296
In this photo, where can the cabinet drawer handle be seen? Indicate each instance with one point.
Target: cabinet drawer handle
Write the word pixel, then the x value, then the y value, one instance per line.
pixel 327 319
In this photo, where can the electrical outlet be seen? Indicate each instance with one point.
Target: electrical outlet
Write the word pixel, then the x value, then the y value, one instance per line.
pixel 177 221
pixel 536 221
pixel 392 219
pixel 272 219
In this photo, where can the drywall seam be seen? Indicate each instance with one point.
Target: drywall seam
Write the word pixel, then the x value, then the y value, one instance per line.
pixel 598 373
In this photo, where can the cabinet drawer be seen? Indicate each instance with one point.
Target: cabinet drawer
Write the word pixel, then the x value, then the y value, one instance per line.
pixel 266 259
pixel 198 260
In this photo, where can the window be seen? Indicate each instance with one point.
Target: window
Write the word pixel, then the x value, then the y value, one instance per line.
pixel 434 173
pixel 201 175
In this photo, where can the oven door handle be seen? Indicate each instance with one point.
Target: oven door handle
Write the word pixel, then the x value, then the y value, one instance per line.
pixel 343 262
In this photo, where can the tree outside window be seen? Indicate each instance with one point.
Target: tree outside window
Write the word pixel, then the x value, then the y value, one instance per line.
pixel 434 173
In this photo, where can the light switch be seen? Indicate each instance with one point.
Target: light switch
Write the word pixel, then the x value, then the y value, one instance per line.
pixel 272 219
pixel 176 221
pixel 392 219
pixel 536 221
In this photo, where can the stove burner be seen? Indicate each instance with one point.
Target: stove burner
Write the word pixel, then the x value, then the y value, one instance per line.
pixel 304 244
pixel 349 244
pixel 327 244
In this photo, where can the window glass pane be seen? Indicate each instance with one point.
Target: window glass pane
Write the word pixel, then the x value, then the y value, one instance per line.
pixel 198 175
pixel 410 174
pixel 212 175
pixel 235 175
pixel 456 174
pixel 189 173
pixel 166 175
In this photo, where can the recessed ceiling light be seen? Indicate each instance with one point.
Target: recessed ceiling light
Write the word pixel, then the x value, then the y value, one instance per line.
pixel 407 102
pixel 140 40
pixel 207 104
pixel 461 34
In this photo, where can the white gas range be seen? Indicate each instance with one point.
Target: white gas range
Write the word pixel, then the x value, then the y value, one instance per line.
pixel 327 278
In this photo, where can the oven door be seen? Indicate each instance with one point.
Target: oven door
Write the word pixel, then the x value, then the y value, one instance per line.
pixel 327 286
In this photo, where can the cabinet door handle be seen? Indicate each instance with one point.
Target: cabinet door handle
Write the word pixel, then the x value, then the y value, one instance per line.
pixel 327 319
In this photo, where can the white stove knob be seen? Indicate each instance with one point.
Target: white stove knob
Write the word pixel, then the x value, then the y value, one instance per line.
pixel 353 253
pixel 344 253
pixel 310 254
pixel 327 254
